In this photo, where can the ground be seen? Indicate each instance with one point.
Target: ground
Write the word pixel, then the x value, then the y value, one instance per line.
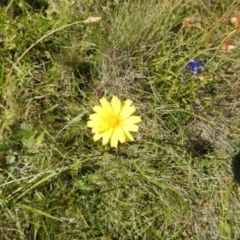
pixel 179 179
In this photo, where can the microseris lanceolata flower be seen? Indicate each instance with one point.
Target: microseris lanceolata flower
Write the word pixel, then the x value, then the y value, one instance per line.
pixel 113 121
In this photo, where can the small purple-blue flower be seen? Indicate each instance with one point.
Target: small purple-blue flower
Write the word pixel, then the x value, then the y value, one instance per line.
pixel 195 65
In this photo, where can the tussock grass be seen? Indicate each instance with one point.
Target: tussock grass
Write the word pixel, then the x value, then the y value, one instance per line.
pixel 178 180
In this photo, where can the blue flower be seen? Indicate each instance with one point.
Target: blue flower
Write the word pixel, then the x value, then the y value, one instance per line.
pixel 195 65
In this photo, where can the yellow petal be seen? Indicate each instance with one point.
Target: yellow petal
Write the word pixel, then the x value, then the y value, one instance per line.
pixel 128 102
pixel 97 137
pixel 128 136
pixel 97 109
pixel 114 139
pixel 91 124
pixel 132 119
pixel 94 117
pixel 102 127
pixel 105 105
pixel 131 128
pixel 116 105
pixel 127 109
pixel 106 136
pixel 120 134
pixel 95 130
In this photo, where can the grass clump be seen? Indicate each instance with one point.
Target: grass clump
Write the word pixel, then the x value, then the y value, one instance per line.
pixel 178 180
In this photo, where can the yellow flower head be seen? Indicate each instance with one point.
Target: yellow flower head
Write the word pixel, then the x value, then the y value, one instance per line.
pixel 113 121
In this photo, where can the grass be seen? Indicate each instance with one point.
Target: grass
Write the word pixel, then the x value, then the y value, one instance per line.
pixel 178 180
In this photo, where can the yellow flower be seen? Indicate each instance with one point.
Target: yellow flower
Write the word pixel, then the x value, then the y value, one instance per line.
pixel 113 121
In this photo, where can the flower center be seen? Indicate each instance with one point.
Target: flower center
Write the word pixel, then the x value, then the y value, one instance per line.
pixel 114 121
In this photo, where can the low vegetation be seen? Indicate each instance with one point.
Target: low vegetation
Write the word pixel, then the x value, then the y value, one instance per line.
pixel 179 179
